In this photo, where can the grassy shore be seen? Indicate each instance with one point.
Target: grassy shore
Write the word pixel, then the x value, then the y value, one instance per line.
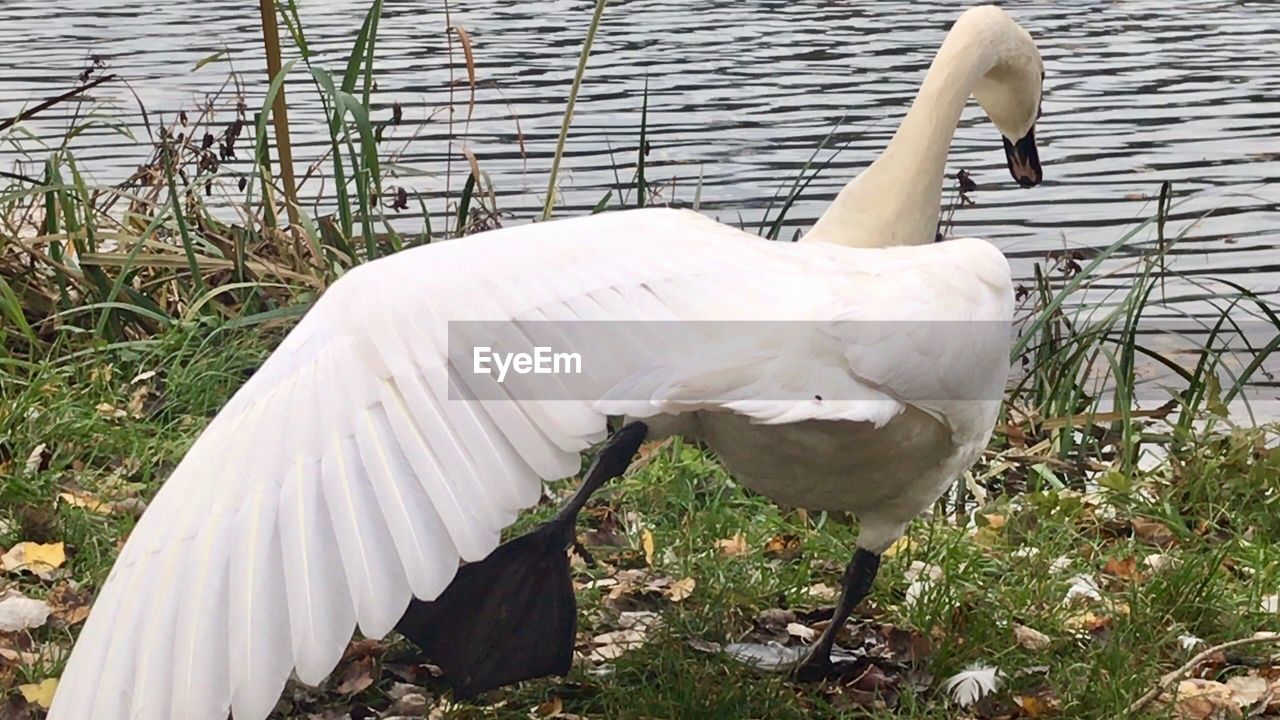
pixel 1104 540
pixel 1114 581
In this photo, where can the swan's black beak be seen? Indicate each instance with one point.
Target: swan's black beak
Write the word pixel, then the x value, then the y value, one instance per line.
pixel 1024 160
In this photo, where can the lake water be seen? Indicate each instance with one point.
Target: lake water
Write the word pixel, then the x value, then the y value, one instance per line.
pixel 740 94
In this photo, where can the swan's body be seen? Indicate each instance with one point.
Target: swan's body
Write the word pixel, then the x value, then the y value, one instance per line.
pixel 343 480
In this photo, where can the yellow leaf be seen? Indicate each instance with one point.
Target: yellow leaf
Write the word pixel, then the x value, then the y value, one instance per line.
pixel 646 540
pixel 901 544
pixel 37 558
pixel 986 536
pixel 681 589
pixel 86 501
pixel 40 693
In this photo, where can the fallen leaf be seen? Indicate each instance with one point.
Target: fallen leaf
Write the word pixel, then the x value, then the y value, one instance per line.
pixel 20 657
pixel 357 676
pixel 613 645
pixel 823 591
pixel 36 558
pixel 1158 562
pixel 138 401
pixel 1124 568
pixel 775 619
pixel 783 547
pixel 142 376
pixel 705 646
pixel 1087 621
pixel 1041 704
pixel 36 459
pixel 642 620
pixel 109 411
pixel 40 693
pixel 1153 533
pixel 548 708
pixel 804 632
pixel 1030 638
pixel 411 704
pixel 1270 604
pixel 1249 690
pixel 1082 587
pixel 994 521
pixel 987 537
pixel 681 589
pixel 18 612
pixel 902 544
pixel 646 541
pixel 735 546
pixel 87 502
pixel 131 506
pixel 1198 699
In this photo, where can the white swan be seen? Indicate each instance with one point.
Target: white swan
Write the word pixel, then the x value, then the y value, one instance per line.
pixel 342 480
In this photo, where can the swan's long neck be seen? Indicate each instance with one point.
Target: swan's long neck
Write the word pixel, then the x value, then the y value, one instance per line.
pixel 896 200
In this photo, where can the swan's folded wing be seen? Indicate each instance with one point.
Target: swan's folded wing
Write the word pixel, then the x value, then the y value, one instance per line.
pixel 872 332
pixel 932 328
pixel 341 479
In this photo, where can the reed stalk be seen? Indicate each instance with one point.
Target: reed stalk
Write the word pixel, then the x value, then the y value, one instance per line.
pixel 568 111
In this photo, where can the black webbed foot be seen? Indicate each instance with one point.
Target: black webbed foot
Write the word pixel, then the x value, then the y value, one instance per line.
pixel 507 618
pixel 512 616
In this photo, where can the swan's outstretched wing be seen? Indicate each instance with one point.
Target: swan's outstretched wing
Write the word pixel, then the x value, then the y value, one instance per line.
pixel 341 479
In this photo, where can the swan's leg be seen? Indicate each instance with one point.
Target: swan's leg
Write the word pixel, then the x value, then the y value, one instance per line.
pixel 856 584
pixel 512 616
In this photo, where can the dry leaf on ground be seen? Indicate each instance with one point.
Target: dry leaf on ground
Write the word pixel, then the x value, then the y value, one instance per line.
pixel 782 547
pixel 681 589
pixel 40 693
pixel 735 546
pixel 902 544
pixel 18 612
pixel 36 459
pixel 36 558
pixel 1249 690
pixel 87 502
pixel 1197 699
pixel 803 632
pixel 1124 568
pixel 1030 638
pixel 823 592
pixel 357 676
pixel 1153 532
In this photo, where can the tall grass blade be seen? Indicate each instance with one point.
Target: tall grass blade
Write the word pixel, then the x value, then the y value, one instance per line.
pixel 549 207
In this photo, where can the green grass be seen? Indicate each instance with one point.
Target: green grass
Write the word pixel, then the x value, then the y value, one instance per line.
pixel 1216 495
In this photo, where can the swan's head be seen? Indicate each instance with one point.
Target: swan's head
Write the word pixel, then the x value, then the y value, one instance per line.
pixel 1010 93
